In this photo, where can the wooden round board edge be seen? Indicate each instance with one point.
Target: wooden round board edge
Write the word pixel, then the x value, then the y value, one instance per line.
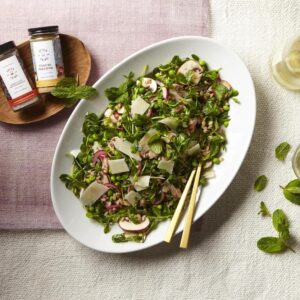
pixel 77 60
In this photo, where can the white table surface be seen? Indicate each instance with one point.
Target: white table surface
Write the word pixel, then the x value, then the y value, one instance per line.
pixel 222 261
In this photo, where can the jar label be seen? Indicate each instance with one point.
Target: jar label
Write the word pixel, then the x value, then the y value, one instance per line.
pixel 14 78
pixel 47 62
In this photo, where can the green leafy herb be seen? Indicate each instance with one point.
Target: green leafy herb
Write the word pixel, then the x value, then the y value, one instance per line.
pixel 282 150
pixel 281 224
pixel 122 238
pixel 211 108
pixel 264 210
pixel 260 183
pixel 69 90
pixel 220 91
pixel 292 191
pixel 271 245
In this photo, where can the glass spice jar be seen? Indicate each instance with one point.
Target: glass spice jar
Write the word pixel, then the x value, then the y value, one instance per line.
pixel 14 80
pixel 47 57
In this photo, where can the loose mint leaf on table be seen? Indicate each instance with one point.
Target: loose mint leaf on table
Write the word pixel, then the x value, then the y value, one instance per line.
pixel 281 224
pixel 260 183
pixel 69 90
pixel 292 191
pixel 271 245
pixel 264 210
pixel 282 150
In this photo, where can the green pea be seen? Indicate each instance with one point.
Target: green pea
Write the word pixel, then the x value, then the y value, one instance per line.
pixel 121 134
pixel 216 161
pixel 171 73
pixel 226 107
pixel 226 123
pixel 125 176
pixel 141 90
pixel 138 83
pixel 119 177
pixel 95 136
pixel 202 62
pixel 90 140
pixel 117 183
pixel 113 177
pixel 110 193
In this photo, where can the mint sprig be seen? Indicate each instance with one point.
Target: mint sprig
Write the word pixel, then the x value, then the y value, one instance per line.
pixel 70 92
pixel 278 244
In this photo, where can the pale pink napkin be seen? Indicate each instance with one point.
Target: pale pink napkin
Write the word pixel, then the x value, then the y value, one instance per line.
pixel 111 30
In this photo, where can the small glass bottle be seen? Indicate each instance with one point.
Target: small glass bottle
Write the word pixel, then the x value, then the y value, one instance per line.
pixel 286 65
pixel 47 57
pixel 14 80
pixel 296 162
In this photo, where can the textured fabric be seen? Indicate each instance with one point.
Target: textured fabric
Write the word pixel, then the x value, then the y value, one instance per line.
pixel 222 261
pixel 111 31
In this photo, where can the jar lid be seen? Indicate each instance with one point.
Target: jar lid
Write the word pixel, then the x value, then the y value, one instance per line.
pixel 47 29
pixel 7 46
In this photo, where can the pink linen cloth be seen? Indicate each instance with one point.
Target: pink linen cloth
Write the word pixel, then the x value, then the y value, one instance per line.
pixel 111 30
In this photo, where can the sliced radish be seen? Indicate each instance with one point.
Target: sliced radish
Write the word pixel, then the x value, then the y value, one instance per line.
pixel 167 165
pixel 125 147
pixel 165 93
pixel 92 193
pixel 150 84
pixel 129 226
pixel 117 166
pixel 139 106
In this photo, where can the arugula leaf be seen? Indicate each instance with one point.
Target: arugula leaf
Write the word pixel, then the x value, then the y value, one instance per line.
pixel 260 183
pixel 116 93
pixel 211 108
pixel 291 191
pixel 220 91
pixel 282 150
pixel 212 74
pixel 264 210
pixel 122 238
pixel 271 245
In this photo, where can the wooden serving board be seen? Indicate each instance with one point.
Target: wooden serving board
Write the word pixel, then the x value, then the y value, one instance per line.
pixel 77 60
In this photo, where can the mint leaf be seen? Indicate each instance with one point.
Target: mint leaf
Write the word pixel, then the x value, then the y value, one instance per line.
pixel 260 183
pixel 264 210
pixel 281 224
pixel 282 150
pixel 291 191
pixel 271 245
pixel 67 82
pixel 68 90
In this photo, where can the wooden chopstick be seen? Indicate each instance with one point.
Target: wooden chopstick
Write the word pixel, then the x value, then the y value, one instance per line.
pixel 190 213
pixel 177 214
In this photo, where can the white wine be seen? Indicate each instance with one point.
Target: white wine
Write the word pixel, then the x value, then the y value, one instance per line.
pixel 296 162
pixel 286 66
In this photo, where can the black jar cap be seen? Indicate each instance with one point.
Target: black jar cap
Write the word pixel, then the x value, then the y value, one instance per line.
pixel 47 29
pixel 7 46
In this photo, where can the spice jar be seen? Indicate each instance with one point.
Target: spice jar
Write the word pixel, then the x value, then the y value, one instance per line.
pixel 47 57
pixel 14 80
